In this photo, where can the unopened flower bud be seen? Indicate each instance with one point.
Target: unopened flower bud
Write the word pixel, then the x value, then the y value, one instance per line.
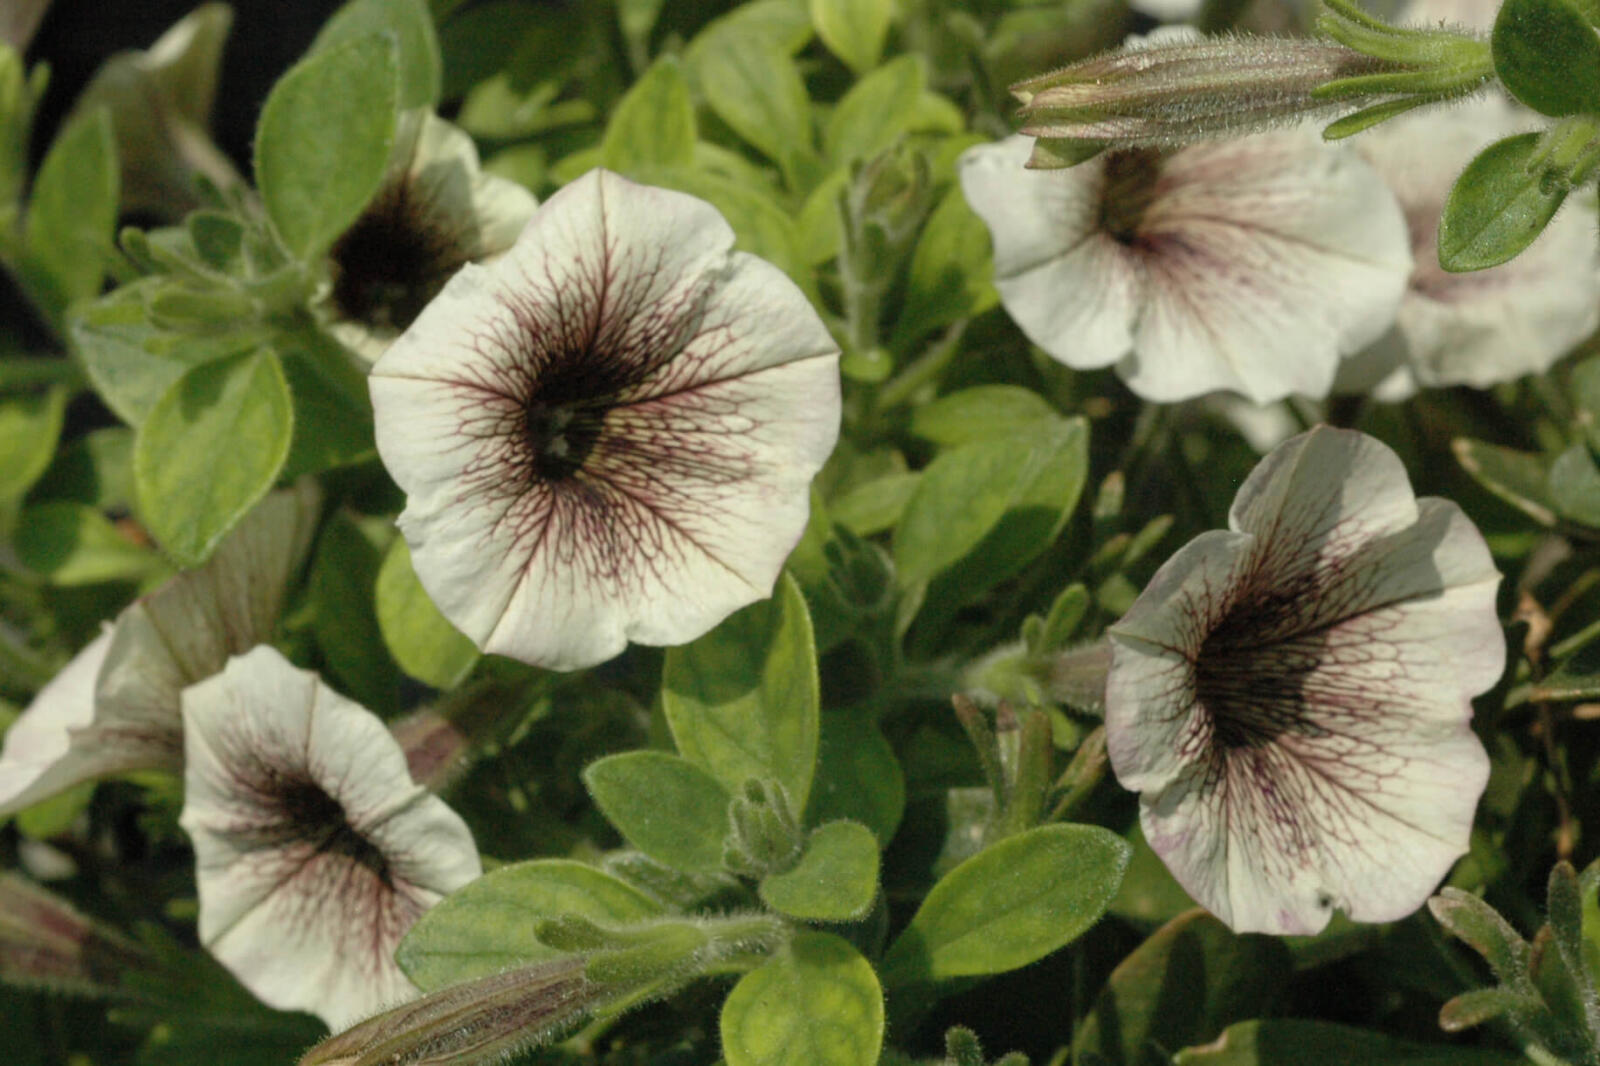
pixel 1167 93
pixel 485 1020
pixel 46 943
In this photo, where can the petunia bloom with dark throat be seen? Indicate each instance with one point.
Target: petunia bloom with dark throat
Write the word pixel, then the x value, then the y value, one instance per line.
pixel 609 433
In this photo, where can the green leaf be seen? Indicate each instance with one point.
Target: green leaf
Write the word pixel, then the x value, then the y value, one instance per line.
pixel 1574 486
pixel 332 422
pixel 875 505
pixel 422 641
pixel 1012 903
pixel 1519 478
pixel 211 447
pixel 1586 398
pixel 951 274
pixel 29 429
pixel 96 469
pixel 410 25
pixel 323 142
pixel 1182 986
pixel 982 511
pixel 835 880
pixel 637 18
pixel 757 90
pixel 665 806
pixel 815 1003
pixel 853 30
pixel 742 701
pixel 1548 55
pixel 876 111
pixel 72 214
pixel 858 776
pixel 344 575
pixel 653 124
pixel 979 412
pixel 1498 205
pixel 488 925
pixel 1293 1042
pixel 74 544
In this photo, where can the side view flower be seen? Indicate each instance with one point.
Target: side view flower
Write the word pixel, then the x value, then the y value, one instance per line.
pixel 1291 697
pixel 115 706
pixel 435 212
pixel 609 433
pixel 1250 265
pixel 315 850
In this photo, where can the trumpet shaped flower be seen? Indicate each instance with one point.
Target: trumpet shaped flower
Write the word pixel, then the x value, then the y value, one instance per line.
pixel 435 211
pixel 315 851
pixel 115 706
pixel 1291 697
pixel 1252 265
pixel 607 434
pixel 1488 326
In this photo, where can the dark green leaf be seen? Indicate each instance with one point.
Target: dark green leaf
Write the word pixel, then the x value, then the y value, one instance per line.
pixel 1519 478
pixel 74 544
pixel 30 425
pixel 1498 205
pixel 1293 1042
pixel 1548 55
pixel 344 577
pixel 72 214
pixel 858 776
pixel 1574 486
pixel 323 142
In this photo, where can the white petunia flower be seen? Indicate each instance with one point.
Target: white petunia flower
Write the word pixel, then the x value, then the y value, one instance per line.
pixel 315 851
pixel 1251 265
pixel 114 707
pixel 1291 697
pixel 435 212
pixel 1487 326
pixel 609 433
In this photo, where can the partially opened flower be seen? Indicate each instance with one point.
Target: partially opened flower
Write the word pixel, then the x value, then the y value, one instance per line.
pixel 115 706
pixel 609 433
pixel 315 851
pixel 1291 697
pixel 1483 327
pixel 1250 265
pixel 435 212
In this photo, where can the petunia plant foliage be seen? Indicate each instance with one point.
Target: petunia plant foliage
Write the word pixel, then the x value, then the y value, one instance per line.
pixel 646 533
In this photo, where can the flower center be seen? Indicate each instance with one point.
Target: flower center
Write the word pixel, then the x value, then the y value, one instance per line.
pixel 561 437
pixel 393 260
pixel 316 815
pixel 1129 189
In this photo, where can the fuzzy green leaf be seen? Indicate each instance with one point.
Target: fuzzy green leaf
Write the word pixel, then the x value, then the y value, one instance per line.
pixel 665 806
pixel 815 1003
pixel 1498 205
pixel 1548 55
pixel 423 642
pixel 835 880
pixel 72 214
pixel 410 24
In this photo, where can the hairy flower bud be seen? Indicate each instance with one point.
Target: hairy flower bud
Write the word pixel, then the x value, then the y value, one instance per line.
pixel 1166 93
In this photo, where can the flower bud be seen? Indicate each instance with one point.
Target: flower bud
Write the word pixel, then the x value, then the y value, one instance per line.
pixel 46 943
pixel 1167 93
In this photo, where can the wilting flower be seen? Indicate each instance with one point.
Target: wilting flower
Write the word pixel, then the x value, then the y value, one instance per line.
pixel 1487 326
pixel 160 101
pixel 115 706
pixel 609 433
pixel 315 850
pixel 435 211
pixel 1291 697
pixel 1250 265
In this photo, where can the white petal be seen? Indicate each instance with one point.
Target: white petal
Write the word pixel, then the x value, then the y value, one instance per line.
pixel 307 913
pixel 1268 259
pixel 486 212
pixel 721 401
pixel 34 763
pixel 1072 289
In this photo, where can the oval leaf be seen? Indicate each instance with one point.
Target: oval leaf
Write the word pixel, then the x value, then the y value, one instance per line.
pixel 1010 904
pixel 853 30
pixel 417 45
pixel 423 642
pixel 74 544
pixel 488 925
pixel 757 90
pixel 835 880
pixel 667 807
pixel 210 448
pixel 1497 206
pixel 742 701
pixel 323 142
pixel 1548 55
pixel 73 214
pixel 858 776
pixel 30 426
pixel 815 1003
pixel 653 124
